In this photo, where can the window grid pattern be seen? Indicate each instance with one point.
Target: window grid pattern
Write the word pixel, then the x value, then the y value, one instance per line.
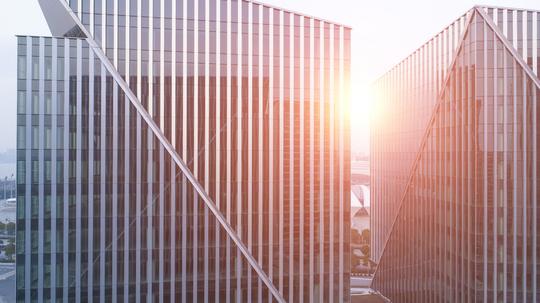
pixel 467 228
pixel 406 97
pixel 257 99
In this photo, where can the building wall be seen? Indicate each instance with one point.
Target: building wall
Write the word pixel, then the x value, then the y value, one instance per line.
pixel 253 103
pixel 405 98
pixel 466 230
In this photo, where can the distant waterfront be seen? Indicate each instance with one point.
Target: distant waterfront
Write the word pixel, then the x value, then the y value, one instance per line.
pixel 7 169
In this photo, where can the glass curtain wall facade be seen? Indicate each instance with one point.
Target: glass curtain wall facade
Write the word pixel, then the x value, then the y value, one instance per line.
pixel 461 224
pixel 251 97
pixel 406 96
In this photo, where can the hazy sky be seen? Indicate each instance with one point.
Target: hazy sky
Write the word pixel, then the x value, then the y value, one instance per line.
pixel 384 32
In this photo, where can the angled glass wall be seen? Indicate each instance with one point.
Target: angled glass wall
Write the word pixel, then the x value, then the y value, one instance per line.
pixel 466 225
pixel 252 99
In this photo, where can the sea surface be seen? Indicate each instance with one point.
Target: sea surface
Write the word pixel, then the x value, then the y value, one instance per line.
pixel 8 212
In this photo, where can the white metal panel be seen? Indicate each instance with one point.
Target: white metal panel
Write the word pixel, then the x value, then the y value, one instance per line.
pixel 312 160
pixel 322 147
pixel 302 213
pixel 41 167
pixel 271 146
pixel 280 151
pixel 206 141
pixel 219 152
pixel 239 160
pixel 250 150
pixel 138 161
pixel 291 199
pixel 78 197
pixel 54 149
pixel 229 155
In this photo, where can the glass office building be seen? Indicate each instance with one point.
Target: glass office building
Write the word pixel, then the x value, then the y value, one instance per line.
pixel 183 151
pixel 454 164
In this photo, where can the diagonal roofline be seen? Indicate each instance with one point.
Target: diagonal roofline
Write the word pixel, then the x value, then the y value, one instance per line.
pixel 425 137
pixel 173 153
pixel 422 45
pixel 298 13
pixel 508 8
pixel 508 45
pixel 480 6
pixel 286 10
pixel 48 37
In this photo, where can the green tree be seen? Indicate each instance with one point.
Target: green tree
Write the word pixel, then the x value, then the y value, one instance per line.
pixel 10 249
pixel 366 235
pixel 11 228
pixel 365 250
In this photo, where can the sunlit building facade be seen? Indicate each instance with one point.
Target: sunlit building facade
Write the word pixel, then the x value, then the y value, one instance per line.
pixel 167 150
pixel 454 164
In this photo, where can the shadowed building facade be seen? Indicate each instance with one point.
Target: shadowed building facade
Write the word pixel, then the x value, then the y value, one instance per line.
pixel 183 151
pixel 454 173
